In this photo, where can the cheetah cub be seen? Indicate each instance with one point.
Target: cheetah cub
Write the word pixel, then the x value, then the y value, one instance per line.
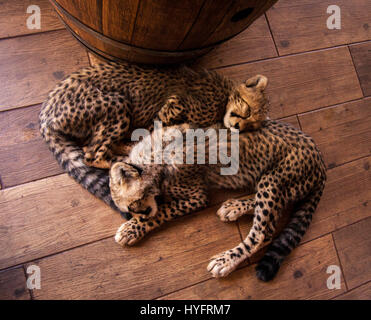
pixel 280 162
pixel 247 107
pixel 93 110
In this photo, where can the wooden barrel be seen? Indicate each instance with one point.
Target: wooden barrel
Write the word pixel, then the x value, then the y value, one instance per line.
pixel 158 31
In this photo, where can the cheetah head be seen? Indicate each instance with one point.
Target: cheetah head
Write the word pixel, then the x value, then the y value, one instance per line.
pixel 247 106
pixel 134 189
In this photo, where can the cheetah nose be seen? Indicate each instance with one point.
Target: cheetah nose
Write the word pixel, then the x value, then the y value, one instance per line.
pixel 237 126
pixel 134 207
pixel 145 212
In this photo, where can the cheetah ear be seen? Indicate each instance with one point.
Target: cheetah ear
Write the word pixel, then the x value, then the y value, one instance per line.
pixel 123 171
pixel 259 82
pixel 171 114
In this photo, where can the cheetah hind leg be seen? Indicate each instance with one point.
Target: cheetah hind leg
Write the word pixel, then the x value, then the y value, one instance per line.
pixel 233 209
pixel 172 111
pixel 98 157
pixel 98 153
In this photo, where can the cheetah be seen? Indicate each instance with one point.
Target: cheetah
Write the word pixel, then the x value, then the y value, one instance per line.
pixel 94 110
pixel 278 161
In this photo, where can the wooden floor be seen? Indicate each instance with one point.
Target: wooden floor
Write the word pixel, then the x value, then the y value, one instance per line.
pixel 319 80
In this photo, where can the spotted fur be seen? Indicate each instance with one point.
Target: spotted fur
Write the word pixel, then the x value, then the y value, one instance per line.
pixel 90 112
pixel 281 163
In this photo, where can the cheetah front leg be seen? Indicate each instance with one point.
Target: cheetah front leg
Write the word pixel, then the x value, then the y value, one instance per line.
pixel 136 228
pixel 232 209
pixel 172 111
pixel 267 209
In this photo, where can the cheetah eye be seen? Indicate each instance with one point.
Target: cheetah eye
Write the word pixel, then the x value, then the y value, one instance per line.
pixel 130 173
pixel 127 174
pixel 139 170
pixel 235 115
pixel 239 116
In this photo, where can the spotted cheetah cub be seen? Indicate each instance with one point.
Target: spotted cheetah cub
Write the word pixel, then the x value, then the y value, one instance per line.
pixel 93 110
pixel 248 106
pixel 280 162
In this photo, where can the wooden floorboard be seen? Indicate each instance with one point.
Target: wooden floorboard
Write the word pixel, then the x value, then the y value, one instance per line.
pixel 342 133
pixel 164 262
pixel 346 198
pixel 31 66
pixel 55 214
pixel 362 292
pixel 361 54
pixel 293 120
pixel 13 17
pixel 255 43
pixel 24 156
pixel 319 83
pixel 302 276
pixel 299 26
pixel 304 82
pixel 13 285
pixel 48 216
pixel 354 247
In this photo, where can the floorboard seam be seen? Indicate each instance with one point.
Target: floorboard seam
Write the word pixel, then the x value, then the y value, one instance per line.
pixel 6 187
pixel 325 107
pixel 29 290
pixel 330 232
pixel 347 162
pixel 9 109
pixel 271 33
pixel 56 253
pixel 291 54
pixel 341 266
pixel 343 293
pixel 297 118
pixel 332 105
pixel 32 34
pixel 355 68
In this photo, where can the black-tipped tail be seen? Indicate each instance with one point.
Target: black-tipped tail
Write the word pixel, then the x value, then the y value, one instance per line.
pixel 289 238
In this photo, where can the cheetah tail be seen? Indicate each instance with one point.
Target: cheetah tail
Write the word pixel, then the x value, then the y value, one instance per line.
pixel 70 156
pixel 289 238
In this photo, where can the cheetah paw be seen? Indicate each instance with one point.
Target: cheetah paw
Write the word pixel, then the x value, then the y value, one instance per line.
pixel 229 211
pixel 222 264
pixel 127 234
